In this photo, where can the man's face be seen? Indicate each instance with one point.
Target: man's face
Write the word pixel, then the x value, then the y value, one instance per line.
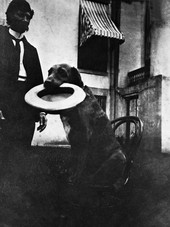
pixel 20 21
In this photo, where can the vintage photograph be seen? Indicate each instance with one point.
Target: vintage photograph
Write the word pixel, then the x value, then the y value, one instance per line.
pixel 84 113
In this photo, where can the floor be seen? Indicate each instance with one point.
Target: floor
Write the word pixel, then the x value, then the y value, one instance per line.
pixel 30 188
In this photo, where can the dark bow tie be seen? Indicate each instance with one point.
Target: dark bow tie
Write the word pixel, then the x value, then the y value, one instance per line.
pixel 17 40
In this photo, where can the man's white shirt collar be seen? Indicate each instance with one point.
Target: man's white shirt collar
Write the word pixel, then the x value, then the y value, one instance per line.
pixel 16 34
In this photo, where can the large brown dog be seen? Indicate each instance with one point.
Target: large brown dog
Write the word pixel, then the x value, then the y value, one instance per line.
pixel 97 156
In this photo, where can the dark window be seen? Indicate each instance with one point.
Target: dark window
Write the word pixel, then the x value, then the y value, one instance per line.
pixel 92 55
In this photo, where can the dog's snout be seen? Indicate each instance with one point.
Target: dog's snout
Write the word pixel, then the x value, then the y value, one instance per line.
pixel 47 84
pixel 52 83
pixel 50 78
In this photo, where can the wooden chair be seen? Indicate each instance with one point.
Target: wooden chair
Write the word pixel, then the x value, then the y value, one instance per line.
pixel 128 131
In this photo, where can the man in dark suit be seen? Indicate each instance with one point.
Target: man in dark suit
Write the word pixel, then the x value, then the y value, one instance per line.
pixel 20 70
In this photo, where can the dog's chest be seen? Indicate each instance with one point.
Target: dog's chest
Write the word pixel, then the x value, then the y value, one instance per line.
pixel 75 129
pixel 66 125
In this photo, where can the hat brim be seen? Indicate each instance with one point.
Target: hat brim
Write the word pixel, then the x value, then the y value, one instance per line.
pixel 64 98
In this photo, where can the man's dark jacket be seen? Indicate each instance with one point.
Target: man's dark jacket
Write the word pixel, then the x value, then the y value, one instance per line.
pixel 19 116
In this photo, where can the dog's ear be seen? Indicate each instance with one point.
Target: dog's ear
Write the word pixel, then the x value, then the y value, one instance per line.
pixel 75 77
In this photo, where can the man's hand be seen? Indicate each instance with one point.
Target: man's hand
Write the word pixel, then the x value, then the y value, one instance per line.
pixel 1 115
pixel 2 120
pixel 42 122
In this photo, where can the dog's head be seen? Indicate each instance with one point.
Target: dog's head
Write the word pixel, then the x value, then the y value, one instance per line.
pixel 62 73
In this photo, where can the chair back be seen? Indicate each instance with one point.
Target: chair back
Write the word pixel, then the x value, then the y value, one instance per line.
pixel 128 131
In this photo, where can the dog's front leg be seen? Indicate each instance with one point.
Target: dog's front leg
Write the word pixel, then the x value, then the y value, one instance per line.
pixel 81 165
pixel 79 160
pixel 83 151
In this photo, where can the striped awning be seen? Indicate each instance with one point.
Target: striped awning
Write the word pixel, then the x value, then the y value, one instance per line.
pixel 94 20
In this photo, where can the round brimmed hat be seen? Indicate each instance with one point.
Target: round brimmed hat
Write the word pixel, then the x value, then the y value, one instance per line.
pixel 61 99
